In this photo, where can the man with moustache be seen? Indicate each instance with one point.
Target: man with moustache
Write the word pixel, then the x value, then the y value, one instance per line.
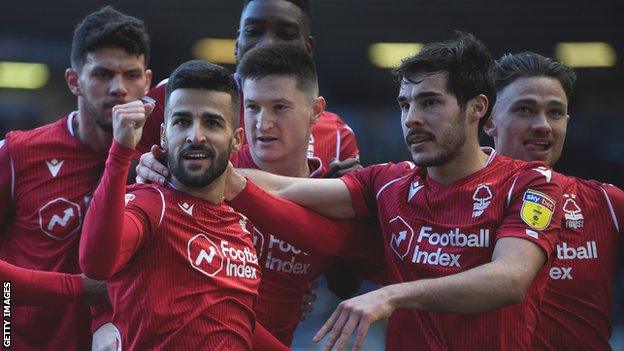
pixel 467 232
pixel 529 122
pixel 180 264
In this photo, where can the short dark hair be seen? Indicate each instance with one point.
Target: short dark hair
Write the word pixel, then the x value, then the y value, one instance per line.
pixel 280 58
pixel 469 65
pixel 530 64
pixel 199 74
pixel 109 28
pixel 305 7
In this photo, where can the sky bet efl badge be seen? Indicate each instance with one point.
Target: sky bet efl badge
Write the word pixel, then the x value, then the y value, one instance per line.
pixel 537 209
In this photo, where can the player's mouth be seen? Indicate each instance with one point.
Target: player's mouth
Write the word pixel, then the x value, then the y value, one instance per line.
pixel 196 158
pixel 417 140
pixel 538 146
pixel 266 140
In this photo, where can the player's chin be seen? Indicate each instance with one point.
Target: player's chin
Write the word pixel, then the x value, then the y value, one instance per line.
pixel 269 156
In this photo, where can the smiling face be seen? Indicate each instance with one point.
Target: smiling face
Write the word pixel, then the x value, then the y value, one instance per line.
pixel 270 21
pixel 433 123
pixel 529 120
pixel 109 77
pixel 198 135
pixel 278 117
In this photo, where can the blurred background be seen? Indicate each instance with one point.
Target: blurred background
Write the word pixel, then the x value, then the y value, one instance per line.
pixel 356 42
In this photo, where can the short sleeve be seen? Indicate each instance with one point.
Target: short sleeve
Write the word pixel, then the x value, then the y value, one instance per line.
pixel 533 209
pixel 615 201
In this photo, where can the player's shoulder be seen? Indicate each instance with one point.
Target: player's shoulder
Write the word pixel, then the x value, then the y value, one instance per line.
pixel 517 169
pixel 49 134
pixel 330 117
pixel 384 172
pixel 144 193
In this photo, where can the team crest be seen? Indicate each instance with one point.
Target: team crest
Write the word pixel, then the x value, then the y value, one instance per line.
pixel 572 212
pixel 482 198
pixel 537 209
pixel 60 218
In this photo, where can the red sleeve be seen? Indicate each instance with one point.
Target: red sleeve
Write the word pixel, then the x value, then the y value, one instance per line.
pixel 100 316
pixel 263 340
pixel 32 288
pixel 315 233
pixel 348 143
pixel 6 183
pixel 615 200
pixel 363 185
pixel 151 129
pixel 107 227
pixel 534 209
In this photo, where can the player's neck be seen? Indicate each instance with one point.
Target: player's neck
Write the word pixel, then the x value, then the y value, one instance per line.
pixel 470 160
pixel 89 134
pixel 291 166
pixel 213 192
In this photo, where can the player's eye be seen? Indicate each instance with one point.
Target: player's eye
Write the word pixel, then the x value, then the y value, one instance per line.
pixel 404 106
pixel 524 110
pixel 252 31
pixel 556 113
pixel 280 107
pixel 252 107
pixel 429 102
pixel 182 122
pixel 289 34
pixel 101 75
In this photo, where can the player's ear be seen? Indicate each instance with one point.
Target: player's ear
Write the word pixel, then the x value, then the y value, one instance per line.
pixel 319 108
pixel 309 44
pixel 73 81
pixel 477 106
pixel 490 128
pixel 148 80
pixel 237 140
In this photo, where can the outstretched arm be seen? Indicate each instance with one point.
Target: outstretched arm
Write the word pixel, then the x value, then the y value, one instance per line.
pixel 315 233
pixel 328 197
pixel 502 282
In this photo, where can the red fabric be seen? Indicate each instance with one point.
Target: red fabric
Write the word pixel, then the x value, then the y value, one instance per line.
pixel 576 310
pixel 30 287
pixel 192 278
pixel 287 271
pixel 412 208
pixel 49 177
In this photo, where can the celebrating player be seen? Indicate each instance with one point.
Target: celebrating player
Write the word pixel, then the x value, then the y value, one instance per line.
pixel 180 264
pixel 281 104
pixel 529 122
pixel 467 232
pixel 47 177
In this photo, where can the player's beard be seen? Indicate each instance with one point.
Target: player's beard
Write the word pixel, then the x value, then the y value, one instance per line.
pixel 216 168
pixel 451 141
pixel 103 122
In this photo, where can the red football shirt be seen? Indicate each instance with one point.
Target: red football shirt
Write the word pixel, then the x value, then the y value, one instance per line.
pixel 576 310
pixel 432 230
pixel 186 273
pixel 46 180
pixel 287 270
pixel 331 138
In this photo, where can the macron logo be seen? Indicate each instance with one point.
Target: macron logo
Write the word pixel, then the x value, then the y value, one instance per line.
pixel 187 208
pixel 54 166
pixel 68 214
pixel 414 188
pixel 204 256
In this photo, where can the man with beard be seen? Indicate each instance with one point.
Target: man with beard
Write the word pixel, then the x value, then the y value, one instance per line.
pixel 180 264
pixel 466 232
pixel 529 122
pixel 47 177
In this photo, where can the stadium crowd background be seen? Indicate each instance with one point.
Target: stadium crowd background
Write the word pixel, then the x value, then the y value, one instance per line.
pixel 351 78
